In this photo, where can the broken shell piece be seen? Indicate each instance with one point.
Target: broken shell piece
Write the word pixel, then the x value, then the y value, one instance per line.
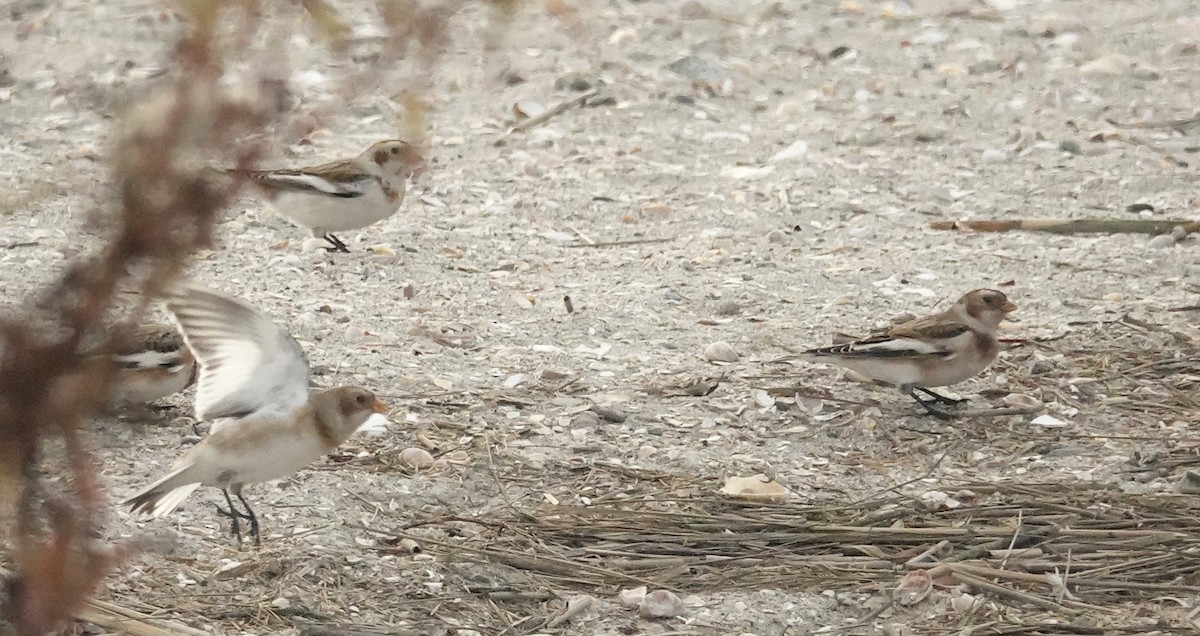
pixel 416 457
pixel 913 588
pixel 661 604
pixel 938 500
pixel 1049 421
pixel 720 352
pixel 759 487
pixel 1020 400
pixel 383 249
pixel 632 597
pixel 964 603
pixel 527 109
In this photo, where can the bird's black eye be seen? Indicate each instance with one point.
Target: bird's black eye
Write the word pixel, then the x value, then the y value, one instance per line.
pixel 362 399
pixel 396 150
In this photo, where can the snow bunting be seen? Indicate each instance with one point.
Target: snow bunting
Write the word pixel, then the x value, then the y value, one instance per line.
pixel 936 350
pixel 253 386
pixel 342 195
pixel 155 364
pixel 151 364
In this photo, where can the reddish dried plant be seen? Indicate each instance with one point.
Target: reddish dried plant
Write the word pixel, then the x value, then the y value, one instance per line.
pixel 166 204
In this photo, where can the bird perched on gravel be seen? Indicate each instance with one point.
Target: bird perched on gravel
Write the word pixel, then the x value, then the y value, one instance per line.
pixel 936 350
pixel 155 363
pixel 342 195
pixel 253 387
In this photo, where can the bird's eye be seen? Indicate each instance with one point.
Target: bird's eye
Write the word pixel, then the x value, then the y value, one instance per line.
pixel 396 150
pixel 362 399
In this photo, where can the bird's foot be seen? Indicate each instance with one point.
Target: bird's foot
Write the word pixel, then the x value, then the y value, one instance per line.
pixel 938 397
pixel 235 528
pixel 335 244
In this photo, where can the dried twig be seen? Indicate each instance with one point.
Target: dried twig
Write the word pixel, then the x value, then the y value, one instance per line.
pixel 621 243
pixel 553 111
pixel 1071 226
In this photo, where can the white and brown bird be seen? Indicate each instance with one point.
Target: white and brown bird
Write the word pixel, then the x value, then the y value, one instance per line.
pixel 253 387
pixel 932 351
pixel 342 195
pixel 153 365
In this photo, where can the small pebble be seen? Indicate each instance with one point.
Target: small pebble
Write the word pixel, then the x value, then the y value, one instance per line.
pixel 578 82
pixel 586 419
pixel 1189 484
pixel 1161 241
pixel 720 352
pixel 416 457
pixel 1070 146
pixel 609 414
pixel 1109 65
pixel 632 597
pixel 661 604
pixel 777 236
pixel 992 155
pixel 929 133
pixel 727 308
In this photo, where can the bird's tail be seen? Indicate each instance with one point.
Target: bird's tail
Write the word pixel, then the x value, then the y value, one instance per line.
pixel 164 495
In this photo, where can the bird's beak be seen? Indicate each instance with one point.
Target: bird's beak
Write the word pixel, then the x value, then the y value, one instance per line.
pixel 378 406
pixel 419 168
pixel 1009 307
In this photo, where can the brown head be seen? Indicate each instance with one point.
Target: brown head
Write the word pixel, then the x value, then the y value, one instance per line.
pixel 342 410
pixel 396 157
pixel 984 308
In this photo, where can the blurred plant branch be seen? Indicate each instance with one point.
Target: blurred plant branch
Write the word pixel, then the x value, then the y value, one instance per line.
pixel 167 202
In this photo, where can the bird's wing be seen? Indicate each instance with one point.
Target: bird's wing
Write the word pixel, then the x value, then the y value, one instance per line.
pixel 883 346
pixel 248 364
pixel 934 329
pixel 339 179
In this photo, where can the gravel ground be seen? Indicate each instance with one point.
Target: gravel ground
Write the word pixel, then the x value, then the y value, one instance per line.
pixel 779 189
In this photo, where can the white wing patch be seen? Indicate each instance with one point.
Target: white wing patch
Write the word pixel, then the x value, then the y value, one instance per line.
pixel 308 181
pixel 248 364
pixel 911 345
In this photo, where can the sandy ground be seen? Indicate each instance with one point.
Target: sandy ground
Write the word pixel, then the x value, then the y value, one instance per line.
pixel 669 219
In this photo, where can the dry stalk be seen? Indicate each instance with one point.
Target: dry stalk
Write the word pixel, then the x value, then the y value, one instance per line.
pixel 165 202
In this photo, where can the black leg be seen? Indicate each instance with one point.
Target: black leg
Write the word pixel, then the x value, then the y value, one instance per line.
pixel 938 397
pixel 926 404
pixel 336 244
pixel 253 518
pixel 233 515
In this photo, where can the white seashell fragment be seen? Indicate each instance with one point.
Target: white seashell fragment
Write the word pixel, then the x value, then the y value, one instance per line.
pixel 762 398
pixel 632 597
pixel 938 500
pixel 1020 400
pixel 661 604
pixel 758 487
pixel 796 150
pixel 747 172
pixel 1049 421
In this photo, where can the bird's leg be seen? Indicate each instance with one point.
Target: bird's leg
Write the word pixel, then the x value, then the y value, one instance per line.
pixel 938 397
pixel 233 515
pixel 336 244
pixel 910 391
pixel 252 517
